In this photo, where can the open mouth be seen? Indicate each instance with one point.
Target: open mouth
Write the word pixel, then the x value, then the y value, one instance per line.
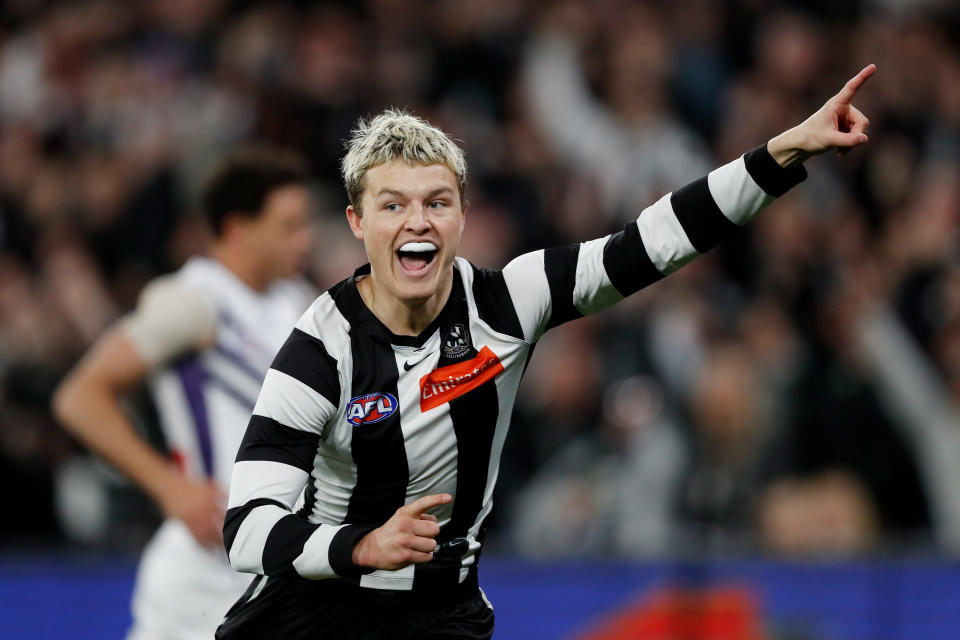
pixel 417 256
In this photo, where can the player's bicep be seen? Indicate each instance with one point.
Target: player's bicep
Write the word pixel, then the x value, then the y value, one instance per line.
pixel 113 362
pixel 556 285
pixel 529 291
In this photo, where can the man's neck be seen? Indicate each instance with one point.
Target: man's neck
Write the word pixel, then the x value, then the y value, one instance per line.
pixel 400 317
pixel 240 266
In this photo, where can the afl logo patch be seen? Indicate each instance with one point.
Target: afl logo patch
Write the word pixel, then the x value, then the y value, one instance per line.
pixel 371 408
pixel 457 341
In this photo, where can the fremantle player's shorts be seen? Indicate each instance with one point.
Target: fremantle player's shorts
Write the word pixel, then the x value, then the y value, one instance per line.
pixel 292 608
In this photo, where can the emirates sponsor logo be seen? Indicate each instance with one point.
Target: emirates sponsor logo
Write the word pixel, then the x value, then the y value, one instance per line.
pixel 443 385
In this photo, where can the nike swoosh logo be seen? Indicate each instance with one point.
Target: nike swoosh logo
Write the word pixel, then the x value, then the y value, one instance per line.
pixel 407 366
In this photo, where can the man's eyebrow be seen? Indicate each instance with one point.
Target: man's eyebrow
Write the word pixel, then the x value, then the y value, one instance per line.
pixel 389 192
pixel 400 194
pixel 440 190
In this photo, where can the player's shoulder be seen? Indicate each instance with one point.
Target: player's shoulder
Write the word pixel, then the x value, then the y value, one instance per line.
pixel 174 288
pixel 326 318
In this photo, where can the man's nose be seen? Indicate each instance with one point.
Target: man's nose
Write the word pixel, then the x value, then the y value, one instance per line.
pixel 418 221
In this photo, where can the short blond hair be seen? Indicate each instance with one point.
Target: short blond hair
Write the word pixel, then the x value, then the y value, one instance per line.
pixel 397 134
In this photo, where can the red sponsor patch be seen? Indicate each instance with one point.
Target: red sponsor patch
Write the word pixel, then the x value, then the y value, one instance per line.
pixel 443 385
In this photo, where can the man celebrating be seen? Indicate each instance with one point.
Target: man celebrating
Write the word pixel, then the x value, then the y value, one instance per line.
pixel 368 466
pixel 204 337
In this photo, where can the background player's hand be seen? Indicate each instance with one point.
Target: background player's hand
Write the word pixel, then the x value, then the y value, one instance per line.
pixel 836 125
pixel 406 538
pixel 200 506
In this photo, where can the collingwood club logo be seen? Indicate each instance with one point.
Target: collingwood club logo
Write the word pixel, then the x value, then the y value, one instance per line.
pixel 457 342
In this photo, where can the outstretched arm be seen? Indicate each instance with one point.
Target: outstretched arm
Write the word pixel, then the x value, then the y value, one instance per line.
pixel 552 286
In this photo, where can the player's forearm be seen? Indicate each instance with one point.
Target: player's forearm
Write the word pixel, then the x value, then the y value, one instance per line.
pixel 92 413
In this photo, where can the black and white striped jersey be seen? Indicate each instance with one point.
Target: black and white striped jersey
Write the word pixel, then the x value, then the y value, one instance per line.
pixel 353 421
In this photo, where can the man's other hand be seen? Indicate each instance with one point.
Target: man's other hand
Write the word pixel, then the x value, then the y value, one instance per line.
pixel 200 506
pixel 406 538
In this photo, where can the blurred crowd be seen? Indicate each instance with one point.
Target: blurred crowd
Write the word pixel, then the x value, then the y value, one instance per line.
pixel 795 391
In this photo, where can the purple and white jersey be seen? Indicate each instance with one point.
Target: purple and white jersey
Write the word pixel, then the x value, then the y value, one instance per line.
pixel 204 396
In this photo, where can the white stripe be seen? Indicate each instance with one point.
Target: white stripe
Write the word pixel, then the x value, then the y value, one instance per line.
pixel 664 238
pixel 335 478
pixel 593 290
pixel 324 322
pixel 400 580
pixel 292 403
pixel 530 293
pixel 246 554
pixel 256 592
pixel 736 193
pixel 254 479
pixel 314 561
pixel 428 439
pixel 484 596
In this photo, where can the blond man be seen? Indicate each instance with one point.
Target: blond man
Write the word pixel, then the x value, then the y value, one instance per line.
pixel 368 467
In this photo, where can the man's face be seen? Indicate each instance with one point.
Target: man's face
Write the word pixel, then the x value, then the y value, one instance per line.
pixel 410 223
pixel 280 235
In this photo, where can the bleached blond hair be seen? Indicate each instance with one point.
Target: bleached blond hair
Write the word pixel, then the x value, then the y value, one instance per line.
pixel 396 134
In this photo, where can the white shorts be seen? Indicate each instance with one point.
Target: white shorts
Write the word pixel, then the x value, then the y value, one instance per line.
pixel 183 589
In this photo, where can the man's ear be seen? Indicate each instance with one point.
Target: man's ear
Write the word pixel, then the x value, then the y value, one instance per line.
pixel 463 219
pixel 354 220
pixel 233 223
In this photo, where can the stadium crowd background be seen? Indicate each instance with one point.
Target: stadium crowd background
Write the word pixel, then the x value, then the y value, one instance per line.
pixel 796 391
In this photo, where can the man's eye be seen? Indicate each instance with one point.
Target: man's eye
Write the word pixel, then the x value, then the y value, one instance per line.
pixel 437 204
pixel 393 206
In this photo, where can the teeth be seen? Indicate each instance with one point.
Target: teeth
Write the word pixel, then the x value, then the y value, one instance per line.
pixel 418 247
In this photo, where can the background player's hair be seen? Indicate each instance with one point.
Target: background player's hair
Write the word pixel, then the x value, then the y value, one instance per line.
pixel 397 134
pixel 240 184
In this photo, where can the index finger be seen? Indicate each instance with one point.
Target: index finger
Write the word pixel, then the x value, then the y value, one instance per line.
pixel 854 84
pixel 416 508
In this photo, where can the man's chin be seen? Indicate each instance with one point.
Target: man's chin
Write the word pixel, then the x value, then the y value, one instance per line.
pixel 419 291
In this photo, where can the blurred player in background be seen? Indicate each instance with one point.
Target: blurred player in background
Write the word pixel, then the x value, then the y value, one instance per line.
pixel 203 337
pixel 368 467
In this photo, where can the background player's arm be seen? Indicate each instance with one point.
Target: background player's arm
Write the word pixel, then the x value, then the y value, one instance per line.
pixel 552 286
pixel 87 403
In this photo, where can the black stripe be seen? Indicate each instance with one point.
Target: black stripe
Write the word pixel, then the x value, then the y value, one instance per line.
pixel 699 215
pixel 560 265
pixel 340 552
pixel 236 516
pixel 284 543
pixel 305 358
pixel 378 450
pixel 494 305
pixel 626 261
pixel 770 176
pixel 474 416
pixel 267 439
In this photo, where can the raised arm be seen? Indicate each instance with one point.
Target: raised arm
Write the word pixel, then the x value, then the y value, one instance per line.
pixel 552 286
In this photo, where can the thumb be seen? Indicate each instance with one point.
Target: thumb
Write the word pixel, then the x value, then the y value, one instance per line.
pixel 416 508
